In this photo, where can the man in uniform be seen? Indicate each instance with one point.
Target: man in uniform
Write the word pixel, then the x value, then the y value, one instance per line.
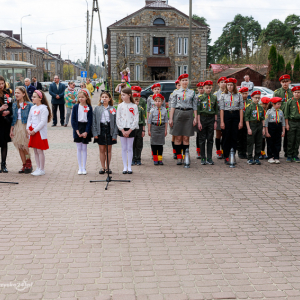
pixel 247 83
pixel 285 93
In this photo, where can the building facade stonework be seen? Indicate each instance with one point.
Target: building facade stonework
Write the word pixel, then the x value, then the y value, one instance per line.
pixel 153 43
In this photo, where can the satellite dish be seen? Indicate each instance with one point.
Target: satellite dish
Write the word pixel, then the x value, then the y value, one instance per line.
pixel 105 46
pixel 105 52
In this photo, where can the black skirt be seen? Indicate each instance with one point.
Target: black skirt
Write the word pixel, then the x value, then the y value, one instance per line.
pixel 132 134
pixel 105 133
pixel 81 128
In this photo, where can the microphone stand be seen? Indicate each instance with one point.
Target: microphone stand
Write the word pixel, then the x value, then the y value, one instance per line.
pixel 108 178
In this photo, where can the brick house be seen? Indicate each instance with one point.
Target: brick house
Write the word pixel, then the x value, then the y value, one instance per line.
pixel 153 43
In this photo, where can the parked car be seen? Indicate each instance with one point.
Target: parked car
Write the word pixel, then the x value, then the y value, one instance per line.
pixel 293 84
pixel 45 86
pixel 167 87
pixel 265 92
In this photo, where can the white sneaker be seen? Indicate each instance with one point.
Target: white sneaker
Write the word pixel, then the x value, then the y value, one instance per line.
pixel 37 171
pixel 277 161
pixel 271 161
pixel 83 172
pixel 42 172
pixel 79 172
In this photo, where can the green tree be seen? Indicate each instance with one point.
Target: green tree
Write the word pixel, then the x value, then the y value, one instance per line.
pixel 288 69
pixel 272 64
pixel 296 73
pixel 280 66
pixel 293 22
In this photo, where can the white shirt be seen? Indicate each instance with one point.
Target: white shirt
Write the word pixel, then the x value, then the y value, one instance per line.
pixel 105 115
pixel 57 85
pixel 38 119
pixel 19 114
pixel 127 116
pixel 82 116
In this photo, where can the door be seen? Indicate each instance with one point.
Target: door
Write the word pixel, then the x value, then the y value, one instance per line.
pixel 159 73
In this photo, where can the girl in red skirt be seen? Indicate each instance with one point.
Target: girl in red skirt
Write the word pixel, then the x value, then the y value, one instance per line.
pixel 39 116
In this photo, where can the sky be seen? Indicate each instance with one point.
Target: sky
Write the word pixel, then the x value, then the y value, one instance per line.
pixel 66 19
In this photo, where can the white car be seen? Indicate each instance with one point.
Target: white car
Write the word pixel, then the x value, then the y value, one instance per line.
pixel 265 92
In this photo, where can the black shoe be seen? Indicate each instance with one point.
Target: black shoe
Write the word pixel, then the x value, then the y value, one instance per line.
pixel 174 156
pixel 109 171
pixel 210 162
pixel 130 172
pixel 102 171
pixel 3 167
pixel 179 162
pixel 138 163
pixel 133 163
pixel 155 163
pixel 125 172
pixel 53 125
pixel 203 161
pixel 160 163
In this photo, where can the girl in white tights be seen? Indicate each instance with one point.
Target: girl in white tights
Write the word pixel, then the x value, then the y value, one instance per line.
pixel 127 122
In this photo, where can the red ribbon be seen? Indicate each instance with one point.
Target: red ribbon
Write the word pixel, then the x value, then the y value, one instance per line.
pixel 24 105
pixel 7 97
pixel 85 109
pixel 131 110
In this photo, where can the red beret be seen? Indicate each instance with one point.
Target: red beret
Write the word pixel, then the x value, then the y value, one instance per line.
pixel 231 80
pixel 222 79
pixel 158 96
pixel 285 76
pixel 208 82
pixel 183 76
pixel 155 85
pixel 243 89
pixel 136 88
pixel 276 99
pixel 177 81
pixel 296 88
pixel 136 95
pixel 256 93
pixel 265 100
pixel 200 84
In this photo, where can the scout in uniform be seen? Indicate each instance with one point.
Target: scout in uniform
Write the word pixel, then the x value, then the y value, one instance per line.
pixel 183 116
pixel 156 88
pixel 254 117
pixel 207 122
pixel 275 124
pixel 200 93
pixel 242 134
pixel 292 121
pixel 265 101
pixel 231 106
pixel 177 84
pixel 158 128
pixel 142 103
pixel 140 133
pixel 222 87
pixel 285 93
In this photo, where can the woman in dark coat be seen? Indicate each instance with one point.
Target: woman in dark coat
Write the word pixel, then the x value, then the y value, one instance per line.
pixel 5 122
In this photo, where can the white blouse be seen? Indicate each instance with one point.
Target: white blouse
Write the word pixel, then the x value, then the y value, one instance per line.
pixel 38 119
pixel 19 114
pixel 82 113
pixel 105 116
pixel 127 116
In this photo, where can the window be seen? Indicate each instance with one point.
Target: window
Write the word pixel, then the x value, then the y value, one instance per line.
pixel 159 22
pixel 179 45
pixel 17 57
pixel 137 45
pixel 168 87
pixel 179 71
pixel 185 69
pixel 137 72
pixel 185 46
pixel 158 45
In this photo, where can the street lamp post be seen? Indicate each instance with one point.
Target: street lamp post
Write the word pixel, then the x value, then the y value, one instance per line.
pixel 46 53
pixel 22 34
pixel 69 65
pixel 190 43
pixel 61 67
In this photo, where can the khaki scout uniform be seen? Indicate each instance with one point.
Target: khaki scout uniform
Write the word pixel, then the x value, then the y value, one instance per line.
pixel 291 113
pixel 151 103
pixel 255 115
pixel 207 109
pixel 138 140
pixel 275 122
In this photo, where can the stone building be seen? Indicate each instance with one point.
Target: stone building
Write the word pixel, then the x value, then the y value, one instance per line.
pixel 13 51
pixel 153 43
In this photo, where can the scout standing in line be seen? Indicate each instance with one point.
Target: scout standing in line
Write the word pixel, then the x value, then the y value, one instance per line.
pixel 222 87
pixel 136 89
pixel 140 133
pixel 254 117
pixel 200 92
pixel 242 135
pixel 231 105
pixel 285 93
pixel 183 116
pixel 275 129
pixel 265 103
pixel 177 84
pixel 207 122
pixel 156 88
pixel 158 128
pixel 292 121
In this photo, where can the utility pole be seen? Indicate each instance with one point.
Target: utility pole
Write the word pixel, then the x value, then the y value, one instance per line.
pixel 22 35
pixel 190 44
pixel 47 54
pixel 61 66
pixel 87 38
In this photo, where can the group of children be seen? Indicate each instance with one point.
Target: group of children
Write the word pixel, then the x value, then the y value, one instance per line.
pixel 243 122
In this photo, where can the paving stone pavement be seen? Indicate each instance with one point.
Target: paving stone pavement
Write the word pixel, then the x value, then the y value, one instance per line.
pixel 209 232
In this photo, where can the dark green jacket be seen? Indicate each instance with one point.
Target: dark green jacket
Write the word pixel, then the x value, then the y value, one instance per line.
pixel 281 93
pixel 251 112
pixel 291 111
pixel 203 105
pixel 141 115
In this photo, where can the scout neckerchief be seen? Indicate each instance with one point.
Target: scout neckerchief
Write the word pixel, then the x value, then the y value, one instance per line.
pixel 244 106
pixel 286 96
pixel 298 106
pixel 231 99
pixel 257 112
pixel 159 117
pixel 184 94
pixel 264 113
pixel 277 116
pixel 209 104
